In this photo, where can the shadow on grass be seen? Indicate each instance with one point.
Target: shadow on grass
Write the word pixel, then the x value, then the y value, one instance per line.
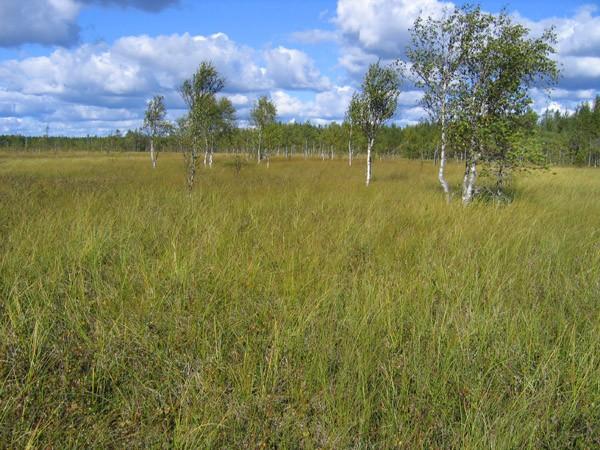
pixel 493 195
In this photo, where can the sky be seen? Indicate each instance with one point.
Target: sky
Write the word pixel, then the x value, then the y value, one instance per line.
pixel 84 67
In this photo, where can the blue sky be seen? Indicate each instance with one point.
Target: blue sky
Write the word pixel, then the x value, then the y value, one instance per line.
pixel 88 66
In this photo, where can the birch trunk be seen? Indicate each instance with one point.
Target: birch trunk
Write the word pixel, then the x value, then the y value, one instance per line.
pixel 206 150
pixel 469 181
pixel 369 161
pixel 442 170
pixel 152 154
pixel 192 170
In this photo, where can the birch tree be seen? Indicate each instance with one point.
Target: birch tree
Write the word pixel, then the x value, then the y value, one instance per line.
pixel 199 93
pixel 501 63
pixel 263 114
pixel 436 54
pixel 375 104
pixel 155 124
pixel 220 122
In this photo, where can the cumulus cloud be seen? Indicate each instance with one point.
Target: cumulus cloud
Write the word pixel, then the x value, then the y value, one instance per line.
pixel 93 79
pixel 381 26
pixel 578 54
pixel 287 105
pixel 293 69
pixel 54 22
pixel 578 48
pixel 134 66
pixel 577 36
pixel 323 107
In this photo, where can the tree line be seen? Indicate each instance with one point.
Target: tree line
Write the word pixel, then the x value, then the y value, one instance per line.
pixel 417 141
pixel 564 139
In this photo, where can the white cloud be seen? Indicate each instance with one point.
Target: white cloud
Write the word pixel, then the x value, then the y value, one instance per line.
pixel 355 60
pixel 332 104
pixel 293 69
pixel 135 66
pixel 87 82
pixel 410 98
pixel 324 107
pixel 578 48
pixel 288 105
pixel 577 35
pixel 239 99
pixel 581 69
pixel 381 26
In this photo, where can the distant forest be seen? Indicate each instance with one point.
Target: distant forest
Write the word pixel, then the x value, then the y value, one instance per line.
pixel 564 139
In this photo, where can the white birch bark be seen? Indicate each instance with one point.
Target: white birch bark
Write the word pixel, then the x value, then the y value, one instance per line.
pixel 469 181
pixel 152 154
pixel 442 170
pixel 369 160
pixel 465 179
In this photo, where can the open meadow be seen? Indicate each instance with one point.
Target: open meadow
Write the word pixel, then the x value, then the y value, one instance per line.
pixel 293 307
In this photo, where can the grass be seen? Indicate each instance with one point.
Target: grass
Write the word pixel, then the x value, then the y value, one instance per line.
pixel 292 307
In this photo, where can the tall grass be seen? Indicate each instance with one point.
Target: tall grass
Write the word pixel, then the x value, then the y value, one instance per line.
pixel 292 307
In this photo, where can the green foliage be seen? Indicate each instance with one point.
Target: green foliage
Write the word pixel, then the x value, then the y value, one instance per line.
pixel 205 83
pixel 207 119
pixel 155 123
pixel 207 116
pixel 491 105
pixel 573 139
pixel 263 113
pixel 436 54
pixel 377 100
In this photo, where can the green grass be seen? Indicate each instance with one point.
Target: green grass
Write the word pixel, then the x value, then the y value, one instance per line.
pixel 292 307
